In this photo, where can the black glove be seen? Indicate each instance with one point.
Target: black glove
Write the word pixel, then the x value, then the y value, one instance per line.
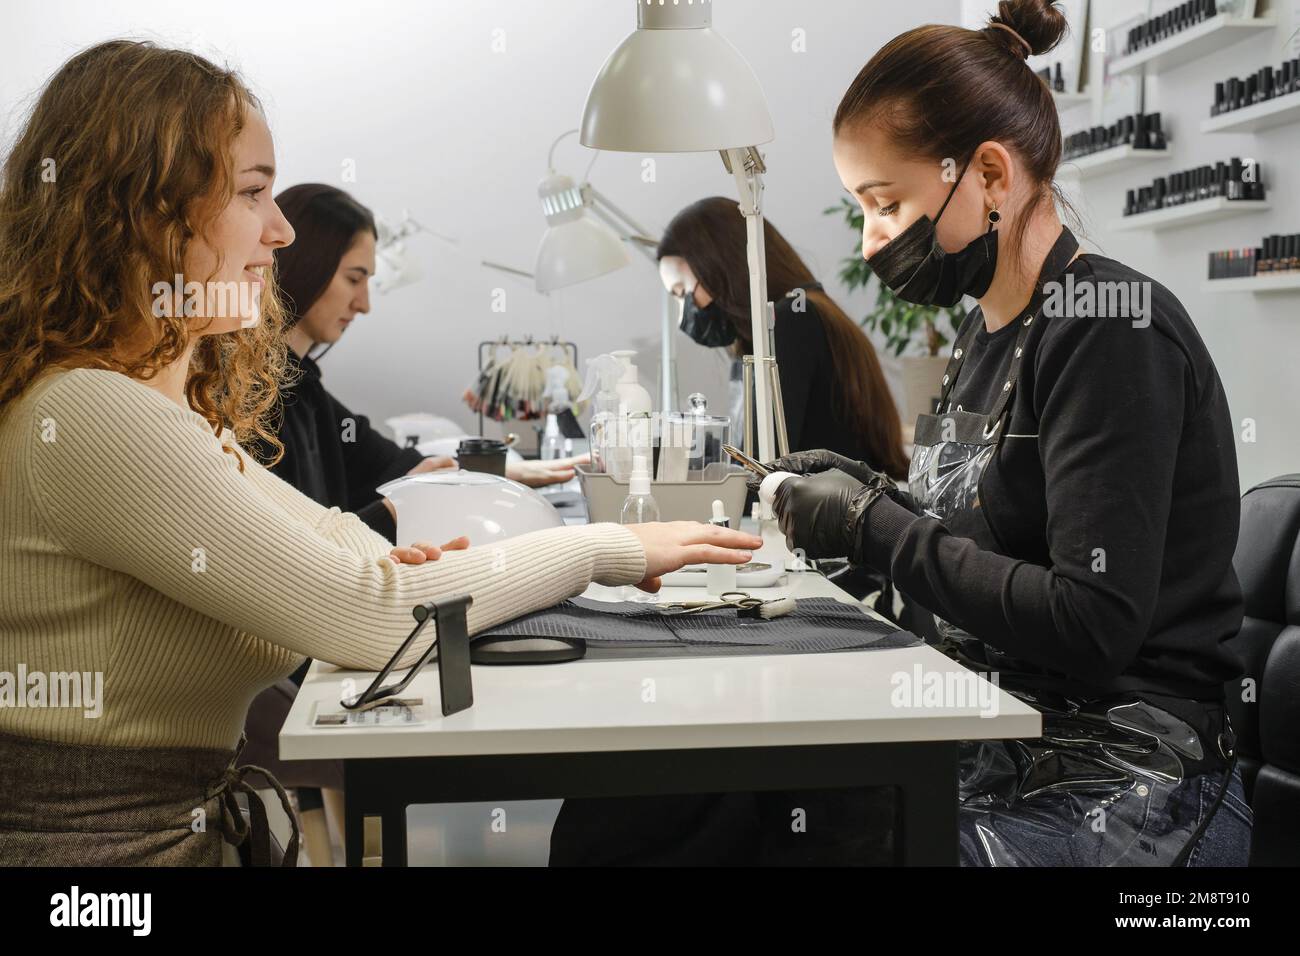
pixel 821 460
pixel 812 462
pixel 822 513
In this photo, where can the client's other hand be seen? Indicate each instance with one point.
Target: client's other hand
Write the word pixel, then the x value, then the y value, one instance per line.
pixel 422 551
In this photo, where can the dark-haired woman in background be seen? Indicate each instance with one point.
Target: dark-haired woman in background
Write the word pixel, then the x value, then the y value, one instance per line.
pixel 834 392
pixel 1073 504
pixel 330 453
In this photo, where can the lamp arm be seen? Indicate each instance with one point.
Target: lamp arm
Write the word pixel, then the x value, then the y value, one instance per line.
pixel 746 165
pixel 550 153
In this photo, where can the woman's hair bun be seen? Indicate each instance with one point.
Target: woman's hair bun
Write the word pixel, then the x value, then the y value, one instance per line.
pixel 1039 22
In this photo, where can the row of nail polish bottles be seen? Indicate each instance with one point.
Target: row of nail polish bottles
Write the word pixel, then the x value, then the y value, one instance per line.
pixel 1231 180
pixel 1278 255
pixel 1164 25
pixel 1139 130
pixel 1265 84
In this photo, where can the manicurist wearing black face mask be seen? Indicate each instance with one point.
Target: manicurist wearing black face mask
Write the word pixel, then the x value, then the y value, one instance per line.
pixel 834 392
pixel 1072 505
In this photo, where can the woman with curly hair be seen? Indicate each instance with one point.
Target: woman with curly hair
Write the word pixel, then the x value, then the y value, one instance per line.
pixel 141 341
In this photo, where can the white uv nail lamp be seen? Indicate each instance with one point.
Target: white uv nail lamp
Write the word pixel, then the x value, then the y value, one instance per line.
pixel 438 506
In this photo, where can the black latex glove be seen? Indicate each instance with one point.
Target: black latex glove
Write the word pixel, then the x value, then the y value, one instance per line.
pixel 821 460
pixel 812 462
pixel 822 513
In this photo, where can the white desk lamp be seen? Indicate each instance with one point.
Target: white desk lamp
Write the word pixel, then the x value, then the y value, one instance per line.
pixel 577 246
pixel 676 86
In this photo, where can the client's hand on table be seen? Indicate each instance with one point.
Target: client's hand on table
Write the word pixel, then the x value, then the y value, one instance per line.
pixel 422 551
pixel 670 545
pixel 551 471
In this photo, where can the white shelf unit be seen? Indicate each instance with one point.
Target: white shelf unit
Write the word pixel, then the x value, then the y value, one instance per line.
pixel 1111 160
pixel 1203 210
pixel 1251 119
pixel 1285 282
pixel 1192 44
pixel 1066 101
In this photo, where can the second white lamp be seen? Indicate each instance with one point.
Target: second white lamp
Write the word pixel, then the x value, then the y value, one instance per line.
pixel 673 86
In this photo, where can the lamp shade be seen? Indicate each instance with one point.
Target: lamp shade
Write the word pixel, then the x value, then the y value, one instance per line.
pixel 576 246
pixel 675 86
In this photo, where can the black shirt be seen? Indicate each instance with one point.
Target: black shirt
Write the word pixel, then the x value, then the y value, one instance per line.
pixel 803 355
pixel 333 455
pixel 1118 447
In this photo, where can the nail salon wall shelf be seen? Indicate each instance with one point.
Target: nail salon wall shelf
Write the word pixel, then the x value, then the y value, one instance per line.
pixel 1192 43
pixel 1289 282
pixel 1112 160
pixel 1251 119
pixel 1204 210
pixel 1065 101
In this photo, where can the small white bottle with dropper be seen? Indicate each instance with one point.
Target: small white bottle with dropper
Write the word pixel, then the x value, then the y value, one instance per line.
pixel 719 578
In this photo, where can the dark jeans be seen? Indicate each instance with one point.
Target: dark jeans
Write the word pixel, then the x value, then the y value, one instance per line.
pixel 1145 826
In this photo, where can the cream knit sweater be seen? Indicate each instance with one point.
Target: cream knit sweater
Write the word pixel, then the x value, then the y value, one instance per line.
pixel 131 545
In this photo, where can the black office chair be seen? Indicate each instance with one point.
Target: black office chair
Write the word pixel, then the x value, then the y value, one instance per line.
pixel 1268 726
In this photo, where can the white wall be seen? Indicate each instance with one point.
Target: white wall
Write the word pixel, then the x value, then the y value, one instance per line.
pixel 1255 340
pixel 438 123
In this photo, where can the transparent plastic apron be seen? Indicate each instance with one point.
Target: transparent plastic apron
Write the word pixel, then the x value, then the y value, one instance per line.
pixel 1105 784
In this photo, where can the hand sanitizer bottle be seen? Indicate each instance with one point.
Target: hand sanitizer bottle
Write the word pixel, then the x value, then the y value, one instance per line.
pixel 638 507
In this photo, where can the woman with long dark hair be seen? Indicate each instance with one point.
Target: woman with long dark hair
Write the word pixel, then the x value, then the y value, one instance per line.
pixel 1072 507
pixel 834 392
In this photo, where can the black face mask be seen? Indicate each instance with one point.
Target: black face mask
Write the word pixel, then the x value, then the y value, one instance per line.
pixel 916 269
pixel 706 326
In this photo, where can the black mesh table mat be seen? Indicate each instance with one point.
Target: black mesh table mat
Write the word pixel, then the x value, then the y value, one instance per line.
pixel 816 625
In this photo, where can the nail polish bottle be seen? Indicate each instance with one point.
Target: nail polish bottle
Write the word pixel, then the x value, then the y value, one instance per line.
pixel 1154 131
pixel 1218 99
pixel 1141 140
pixel 1234 178
pixel 1295 74
pixel 1268 83
pixel 1220 178
pixel 1130 203
pixel 1058 81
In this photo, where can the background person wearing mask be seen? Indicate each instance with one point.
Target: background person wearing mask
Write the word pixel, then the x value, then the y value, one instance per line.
pixel 1072 509
pixel 834 392
pixel 332 454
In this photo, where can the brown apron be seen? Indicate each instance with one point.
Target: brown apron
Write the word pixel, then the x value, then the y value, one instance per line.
pixel 79 805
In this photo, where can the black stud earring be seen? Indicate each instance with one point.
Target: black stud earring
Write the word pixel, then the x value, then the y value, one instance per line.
pixel 994 217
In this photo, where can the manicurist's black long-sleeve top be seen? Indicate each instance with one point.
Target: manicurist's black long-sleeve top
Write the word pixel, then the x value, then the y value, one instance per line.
pixel 333 455
pixel 1112 502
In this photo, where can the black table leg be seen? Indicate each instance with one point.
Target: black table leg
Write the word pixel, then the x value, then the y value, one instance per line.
pixel 925 832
